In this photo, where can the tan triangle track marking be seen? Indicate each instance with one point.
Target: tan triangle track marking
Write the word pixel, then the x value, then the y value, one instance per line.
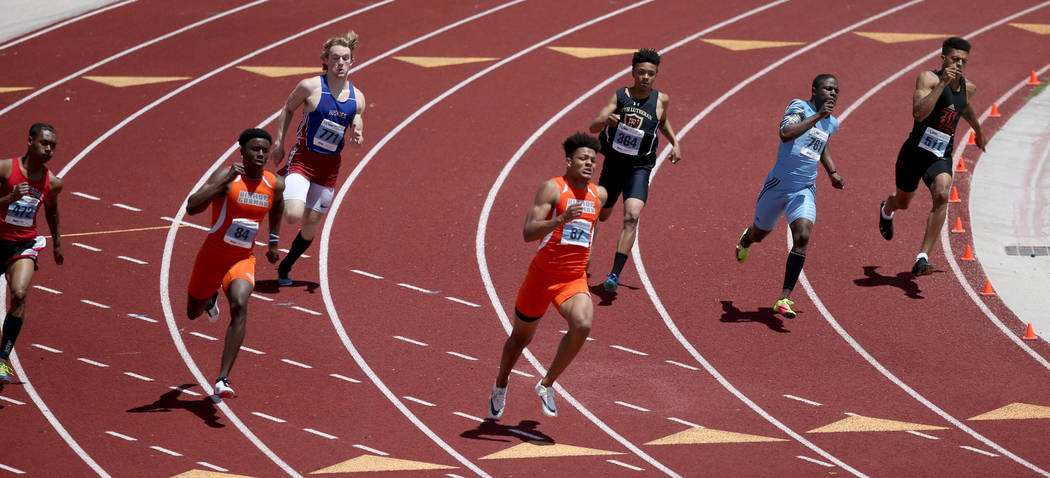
pixel 1015 411
pixel 436 61
pixel 207 474
pixel 281 71
pixel 743 45
pixel 1040 28
pixel 379 463
pixel 859 423
pixel 10 89
pixel 125 81
pixel 697 436
pixel 900 37
pixel 539 449
pixel 585 52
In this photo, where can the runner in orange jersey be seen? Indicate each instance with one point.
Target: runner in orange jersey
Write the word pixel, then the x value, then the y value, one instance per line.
pixel 25 185
pixel 240 196
pixel 563 216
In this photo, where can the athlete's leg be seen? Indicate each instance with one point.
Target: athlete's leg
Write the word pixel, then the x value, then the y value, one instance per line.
pixel 800 229
pixel 296 187
pixel 238 293
pixel 194 306
pixel 754 234
pixel 898 200
pixel 632 212
pixel 519 338
pixel 940 190
pixel 19 273
pixel 578 311
pixel 311 222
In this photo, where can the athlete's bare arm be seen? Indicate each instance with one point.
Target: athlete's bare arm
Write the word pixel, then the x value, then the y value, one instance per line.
pixel 605 116
pixel 296 99
pixel 276 213
pixel 217 185
pixel 928 87
pixel 829 166
pixel 971 116
pixel 794 128
pixel 358 137
pixel 18 191
pixel 51 214
pixel 536 223
pixel 668 130
pixel 602 196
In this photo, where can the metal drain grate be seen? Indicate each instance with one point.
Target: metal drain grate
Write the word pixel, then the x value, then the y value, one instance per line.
pixel 1031 251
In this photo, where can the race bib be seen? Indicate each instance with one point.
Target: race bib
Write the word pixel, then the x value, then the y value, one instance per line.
pixel 241 233
pixel 814 144
pixel 576 233
pixel 21 212
pixel 329 135
pixel 935 142
pixel 627 139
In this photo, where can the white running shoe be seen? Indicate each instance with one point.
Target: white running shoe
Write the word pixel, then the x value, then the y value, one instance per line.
pixel 547 400
pixel 223 388
pixel 212 308
pixel 497 402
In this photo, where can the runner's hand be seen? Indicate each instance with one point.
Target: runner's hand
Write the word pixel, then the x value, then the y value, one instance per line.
pixel 272 254
pixel 235 170
pixel 949 74
pixel 676 154
pixel 837 182
pixel 572 212
pixel 358 138
pixel 277 153
pixel 20 189
pixel 56 248
pixel 827 108
pixel 612 120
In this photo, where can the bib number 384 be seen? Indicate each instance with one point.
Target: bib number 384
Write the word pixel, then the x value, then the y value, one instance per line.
pixel 21 212
pixel 241 232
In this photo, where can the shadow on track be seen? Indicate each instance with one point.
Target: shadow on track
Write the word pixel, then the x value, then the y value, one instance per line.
pixel 525 431
pixel 203 408
pixel 605 297
pixel 904 281
pixel 269 286
pixel 731 314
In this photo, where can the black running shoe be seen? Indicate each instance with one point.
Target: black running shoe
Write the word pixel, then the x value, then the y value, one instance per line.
pixel 922 267
pixel 885 225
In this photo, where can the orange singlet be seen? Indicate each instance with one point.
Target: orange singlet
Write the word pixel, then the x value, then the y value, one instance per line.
pixel 559 270
pixel 227 252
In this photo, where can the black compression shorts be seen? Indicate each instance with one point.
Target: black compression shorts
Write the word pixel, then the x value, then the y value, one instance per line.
pixel 914 163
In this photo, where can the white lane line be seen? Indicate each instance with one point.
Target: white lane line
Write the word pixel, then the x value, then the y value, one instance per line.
pixel 341 377
pixel 165 450
pixel 184 223
pixel 421 344
pixel 45 289
pixel 366 274
pixel 85 246
pixel 268 417
pixel 683 422
pixel 421 402
pixel 468 417
pixel 96 304
pixel 188 392
pixel 976 450
pixel 92 362
pixel 921 434
pixel 461 301
pixel 88 196
pixel 625 465
pixel 372 450
pixel 308 311
pixel 11 400
pixel 417 289
pixel 457 354
pixel 140 377
pixel 320 434
pixel 62 24
pixel 143 317
pixel 803 400
pixel 524 374
pixel 132 259
pixel 625 349
pixel 589 339
pixel 679 364
pixel 629 405
pixel 121 436
pixel 253 351
pixel 203 336
pixel 528 435
pixel 262 297
pixel 12 470
pixel 811 460
pixel 49 349
pixel 214 467
pixel 125 206
pixel 297 364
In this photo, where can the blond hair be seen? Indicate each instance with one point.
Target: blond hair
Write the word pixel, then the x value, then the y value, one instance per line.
pixel 349 40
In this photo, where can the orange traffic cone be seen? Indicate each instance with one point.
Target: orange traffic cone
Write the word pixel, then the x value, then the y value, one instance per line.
pixel 961 167
pixel 968 254
pixel 955 195
pixel 1030 334
pixel 987 288
pixel 973 138
pixel 995 111
pixel 959 227
pixel 1034 80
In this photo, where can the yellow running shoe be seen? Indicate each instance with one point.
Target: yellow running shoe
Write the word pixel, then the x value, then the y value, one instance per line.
pixel 783 307
pixel 742 252
pixel 6 374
